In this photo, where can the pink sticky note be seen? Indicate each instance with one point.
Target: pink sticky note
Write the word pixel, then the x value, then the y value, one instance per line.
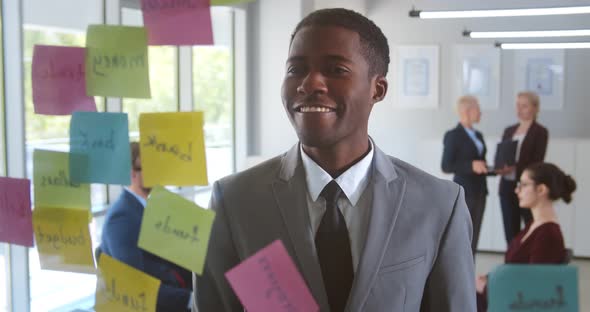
pixel 185 22
pixel 268 281
pixel 16 226
pixel 59 83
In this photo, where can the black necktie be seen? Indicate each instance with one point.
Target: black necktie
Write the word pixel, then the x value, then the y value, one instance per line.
pixel 333 248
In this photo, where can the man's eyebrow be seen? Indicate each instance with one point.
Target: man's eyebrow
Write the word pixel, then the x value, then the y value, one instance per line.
pixel 333 57
pixel 296 58
pixel 337 57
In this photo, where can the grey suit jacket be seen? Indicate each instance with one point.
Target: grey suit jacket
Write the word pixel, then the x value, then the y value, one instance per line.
pixel 417 256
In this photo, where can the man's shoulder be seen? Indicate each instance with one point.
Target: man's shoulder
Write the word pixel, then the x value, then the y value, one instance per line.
pixel 452 132
pixel 264 172
pixel 421 180
pixel 125 205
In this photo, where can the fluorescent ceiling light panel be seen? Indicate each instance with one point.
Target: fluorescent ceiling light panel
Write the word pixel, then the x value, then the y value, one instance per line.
pixel 502 12
pixel 528 34
pixel 539 46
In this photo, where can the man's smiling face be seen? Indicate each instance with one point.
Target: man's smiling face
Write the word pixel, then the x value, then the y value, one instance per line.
pixel 327 91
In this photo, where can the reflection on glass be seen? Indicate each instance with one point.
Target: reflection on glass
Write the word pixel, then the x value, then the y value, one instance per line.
pixel 162 65
pixel 53 289
pixel 213 94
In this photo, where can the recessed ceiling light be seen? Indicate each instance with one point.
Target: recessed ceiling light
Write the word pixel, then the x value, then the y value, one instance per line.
pixel 501 12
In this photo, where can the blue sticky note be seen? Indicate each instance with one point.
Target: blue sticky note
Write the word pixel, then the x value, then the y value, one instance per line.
pixel 99 148
pixel 528 287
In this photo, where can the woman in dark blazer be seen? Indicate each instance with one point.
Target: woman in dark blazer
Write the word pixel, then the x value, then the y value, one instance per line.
pixel 464 155
pixel 532 145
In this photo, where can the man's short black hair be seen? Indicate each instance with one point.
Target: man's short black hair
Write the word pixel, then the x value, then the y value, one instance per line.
pixel 374 44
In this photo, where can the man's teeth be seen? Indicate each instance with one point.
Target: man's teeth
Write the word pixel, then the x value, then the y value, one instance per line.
pixel 314 109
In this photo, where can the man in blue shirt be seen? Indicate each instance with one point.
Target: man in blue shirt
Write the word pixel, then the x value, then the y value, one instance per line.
pixel 120 235
pixel 464 155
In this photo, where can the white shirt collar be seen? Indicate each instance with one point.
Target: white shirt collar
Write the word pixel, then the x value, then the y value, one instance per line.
pixel 352 182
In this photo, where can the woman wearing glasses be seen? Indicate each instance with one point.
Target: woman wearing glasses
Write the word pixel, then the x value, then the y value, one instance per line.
pixel 541 241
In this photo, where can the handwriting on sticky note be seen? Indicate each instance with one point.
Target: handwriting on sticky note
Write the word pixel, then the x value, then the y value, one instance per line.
pixel 74 72
pixel 60 179
pixel 175 229
pixel 268 281
pixel 15 212
pixel 173 149
pixel 58 80
pixel 103 63
pixel 117 61
pixel 121 287
pixel 58 239
pixel 53 184
pixel 104 142
pixel 274 289
pixel 133 300
pixel 523 303
pixel 99 146
pixel 63 239
pixel 164 227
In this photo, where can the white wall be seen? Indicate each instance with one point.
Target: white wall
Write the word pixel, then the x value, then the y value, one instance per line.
pixel 416 135
pixel 395 129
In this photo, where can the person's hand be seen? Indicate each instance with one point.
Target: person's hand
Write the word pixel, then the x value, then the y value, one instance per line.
pixel 479 167
pixel 480 283
pixel 505 170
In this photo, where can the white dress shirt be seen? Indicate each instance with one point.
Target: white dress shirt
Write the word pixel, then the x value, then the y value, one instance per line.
pixel 354 203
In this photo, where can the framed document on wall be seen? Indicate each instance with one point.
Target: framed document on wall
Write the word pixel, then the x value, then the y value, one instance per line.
pixel 476 71
pixel 417 71
pixel 542 72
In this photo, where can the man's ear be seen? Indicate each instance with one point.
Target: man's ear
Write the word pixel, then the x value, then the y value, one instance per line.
pixel 380 89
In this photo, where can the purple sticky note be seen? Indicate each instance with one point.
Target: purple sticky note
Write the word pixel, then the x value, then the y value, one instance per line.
pixel 268 281
pixel 59 83
pixel 178 22
pixel 16 226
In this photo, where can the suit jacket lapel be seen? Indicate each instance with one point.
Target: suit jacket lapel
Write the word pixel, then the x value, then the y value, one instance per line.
pixel 467 138
pixel 388 195
pixel 290 193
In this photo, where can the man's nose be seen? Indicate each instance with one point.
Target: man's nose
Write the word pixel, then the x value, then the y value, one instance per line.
pixel 314 82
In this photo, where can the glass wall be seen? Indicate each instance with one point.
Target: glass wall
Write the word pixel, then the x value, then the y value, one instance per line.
pixel 213 93
pixel 51 290
pixel 51 23
pixel 163 82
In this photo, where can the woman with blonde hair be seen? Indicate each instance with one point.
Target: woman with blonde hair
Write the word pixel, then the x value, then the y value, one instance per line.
pixel 464 155
pixel 532 141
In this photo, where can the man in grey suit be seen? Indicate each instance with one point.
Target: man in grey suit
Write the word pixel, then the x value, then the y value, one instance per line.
pixel 367 231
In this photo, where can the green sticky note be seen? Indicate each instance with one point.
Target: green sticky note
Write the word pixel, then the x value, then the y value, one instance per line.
pixel 176 229
pixel 53 185
pixel 117 61
pixel 229 2
pixel 533 287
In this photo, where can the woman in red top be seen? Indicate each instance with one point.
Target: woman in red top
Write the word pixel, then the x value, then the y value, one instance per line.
pixel 541 240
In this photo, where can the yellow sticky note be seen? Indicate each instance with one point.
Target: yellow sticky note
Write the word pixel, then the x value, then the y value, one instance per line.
pixel 172 149
pixel 121 288
pixel 176 229
pixel 63 239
